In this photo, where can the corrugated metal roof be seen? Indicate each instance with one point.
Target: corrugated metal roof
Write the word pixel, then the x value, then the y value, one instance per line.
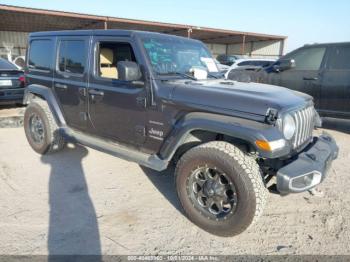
pixel 22 19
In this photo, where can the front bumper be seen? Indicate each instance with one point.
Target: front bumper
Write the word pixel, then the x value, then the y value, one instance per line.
pixel 309 168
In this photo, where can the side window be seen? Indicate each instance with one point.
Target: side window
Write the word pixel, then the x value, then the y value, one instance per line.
pixel 40 54
pixel 340 58
pixel 220 57
pixel 262 63
pixel 308 58
pixel 259 63
pixel 231 59
pixel 72 56
pixel 109 54
pixel 268 63
pixel 245 63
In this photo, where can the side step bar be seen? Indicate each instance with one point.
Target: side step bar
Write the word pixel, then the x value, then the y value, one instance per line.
pixel 151 161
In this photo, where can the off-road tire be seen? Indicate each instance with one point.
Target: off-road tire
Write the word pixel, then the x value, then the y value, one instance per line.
pixel 244 173
pixel 53 141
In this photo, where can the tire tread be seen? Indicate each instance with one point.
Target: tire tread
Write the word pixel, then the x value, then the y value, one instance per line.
pixel 247 164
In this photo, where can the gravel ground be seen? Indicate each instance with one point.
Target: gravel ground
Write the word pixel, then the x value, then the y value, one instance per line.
pixel 11 116
pixel 81 201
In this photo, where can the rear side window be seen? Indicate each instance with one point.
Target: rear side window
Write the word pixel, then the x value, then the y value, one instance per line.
pixel 72 56
pixel 40 54
pixel 340 58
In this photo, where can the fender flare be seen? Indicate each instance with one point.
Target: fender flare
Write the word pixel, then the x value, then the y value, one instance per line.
pixel 45 93
pixel 247 130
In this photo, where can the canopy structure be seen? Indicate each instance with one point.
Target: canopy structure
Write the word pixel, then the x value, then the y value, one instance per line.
pixel 23 19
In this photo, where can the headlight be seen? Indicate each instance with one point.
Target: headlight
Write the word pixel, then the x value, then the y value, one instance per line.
pixel 288 127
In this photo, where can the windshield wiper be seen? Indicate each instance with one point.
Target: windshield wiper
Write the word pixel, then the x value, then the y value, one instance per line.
pixel 179 74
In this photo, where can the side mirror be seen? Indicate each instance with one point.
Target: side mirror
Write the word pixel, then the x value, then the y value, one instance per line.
pixel 128 71
pixel 284 64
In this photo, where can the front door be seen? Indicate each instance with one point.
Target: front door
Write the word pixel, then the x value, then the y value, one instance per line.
pixel 117 108
pixel 305 76
pixel 70 79
pixel 335 90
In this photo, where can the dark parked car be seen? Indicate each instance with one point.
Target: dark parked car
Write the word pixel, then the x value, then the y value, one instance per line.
pixel 158 100
pixel 227 59
pixel 11 83
pixel 320 70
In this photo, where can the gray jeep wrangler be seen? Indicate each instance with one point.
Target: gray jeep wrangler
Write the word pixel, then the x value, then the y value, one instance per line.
pixel 159 100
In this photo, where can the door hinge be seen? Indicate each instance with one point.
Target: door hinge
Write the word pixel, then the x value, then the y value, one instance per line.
pixel 140 131
pixel 82 91
pixel 141 101
pixel 83 116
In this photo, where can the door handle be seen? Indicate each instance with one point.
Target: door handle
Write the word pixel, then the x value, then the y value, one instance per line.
pixel 62 86
pixel 96 92
pixel 310 78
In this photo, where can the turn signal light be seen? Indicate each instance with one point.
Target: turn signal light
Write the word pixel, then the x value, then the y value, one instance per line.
pixel 270 145
pixel 264 145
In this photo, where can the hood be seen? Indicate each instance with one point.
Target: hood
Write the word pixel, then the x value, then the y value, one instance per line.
pixel 237 97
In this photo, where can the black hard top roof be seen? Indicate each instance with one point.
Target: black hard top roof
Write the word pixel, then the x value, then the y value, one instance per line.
pixel 103 32
pixel 325 44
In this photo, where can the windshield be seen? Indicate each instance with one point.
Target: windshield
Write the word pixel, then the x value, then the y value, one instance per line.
pixel 171 55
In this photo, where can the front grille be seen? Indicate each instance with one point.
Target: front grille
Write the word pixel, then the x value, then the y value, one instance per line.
pixel 305 122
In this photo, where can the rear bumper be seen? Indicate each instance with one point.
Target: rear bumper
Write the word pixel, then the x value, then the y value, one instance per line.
pixel 13 95
pixel 310 167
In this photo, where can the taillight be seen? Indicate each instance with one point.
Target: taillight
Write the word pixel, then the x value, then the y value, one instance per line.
pixel 22 80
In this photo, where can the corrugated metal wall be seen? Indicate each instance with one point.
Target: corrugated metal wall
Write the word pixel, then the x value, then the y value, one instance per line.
pixel 12 43
pixel 255 49
pixel 236 49
pixel 217 49
pixel 266 48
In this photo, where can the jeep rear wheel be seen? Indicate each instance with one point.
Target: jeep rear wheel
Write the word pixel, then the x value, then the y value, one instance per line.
pixel 220 188
pixel 41 129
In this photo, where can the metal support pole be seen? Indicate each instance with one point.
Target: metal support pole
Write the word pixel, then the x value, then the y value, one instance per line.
pixel 105 25
pixel 189 31
pixel 281 47
pixel 243 45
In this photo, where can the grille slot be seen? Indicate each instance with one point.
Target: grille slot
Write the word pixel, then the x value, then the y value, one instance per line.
pixel 304 122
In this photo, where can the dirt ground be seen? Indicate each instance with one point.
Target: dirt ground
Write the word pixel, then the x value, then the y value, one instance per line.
pixel 81 201
pixel 11 116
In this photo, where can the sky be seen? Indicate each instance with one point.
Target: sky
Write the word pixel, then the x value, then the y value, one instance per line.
pixel 304 22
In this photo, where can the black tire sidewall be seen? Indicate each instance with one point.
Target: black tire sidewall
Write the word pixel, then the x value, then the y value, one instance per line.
pixel 36 108
pixel 245 209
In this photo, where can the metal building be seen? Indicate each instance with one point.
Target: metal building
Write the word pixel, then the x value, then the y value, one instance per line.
pixel 17 22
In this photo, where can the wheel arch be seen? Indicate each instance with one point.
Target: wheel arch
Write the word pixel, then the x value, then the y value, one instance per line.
pixel 39 91
pixel 210 126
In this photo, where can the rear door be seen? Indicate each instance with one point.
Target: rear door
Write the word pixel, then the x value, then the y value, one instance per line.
pixel 70 79
pixel 305 76
pixel 335 90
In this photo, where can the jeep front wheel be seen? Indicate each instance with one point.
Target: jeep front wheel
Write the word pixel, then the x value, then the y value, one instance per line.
pixel 220 188
pixel 41 129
